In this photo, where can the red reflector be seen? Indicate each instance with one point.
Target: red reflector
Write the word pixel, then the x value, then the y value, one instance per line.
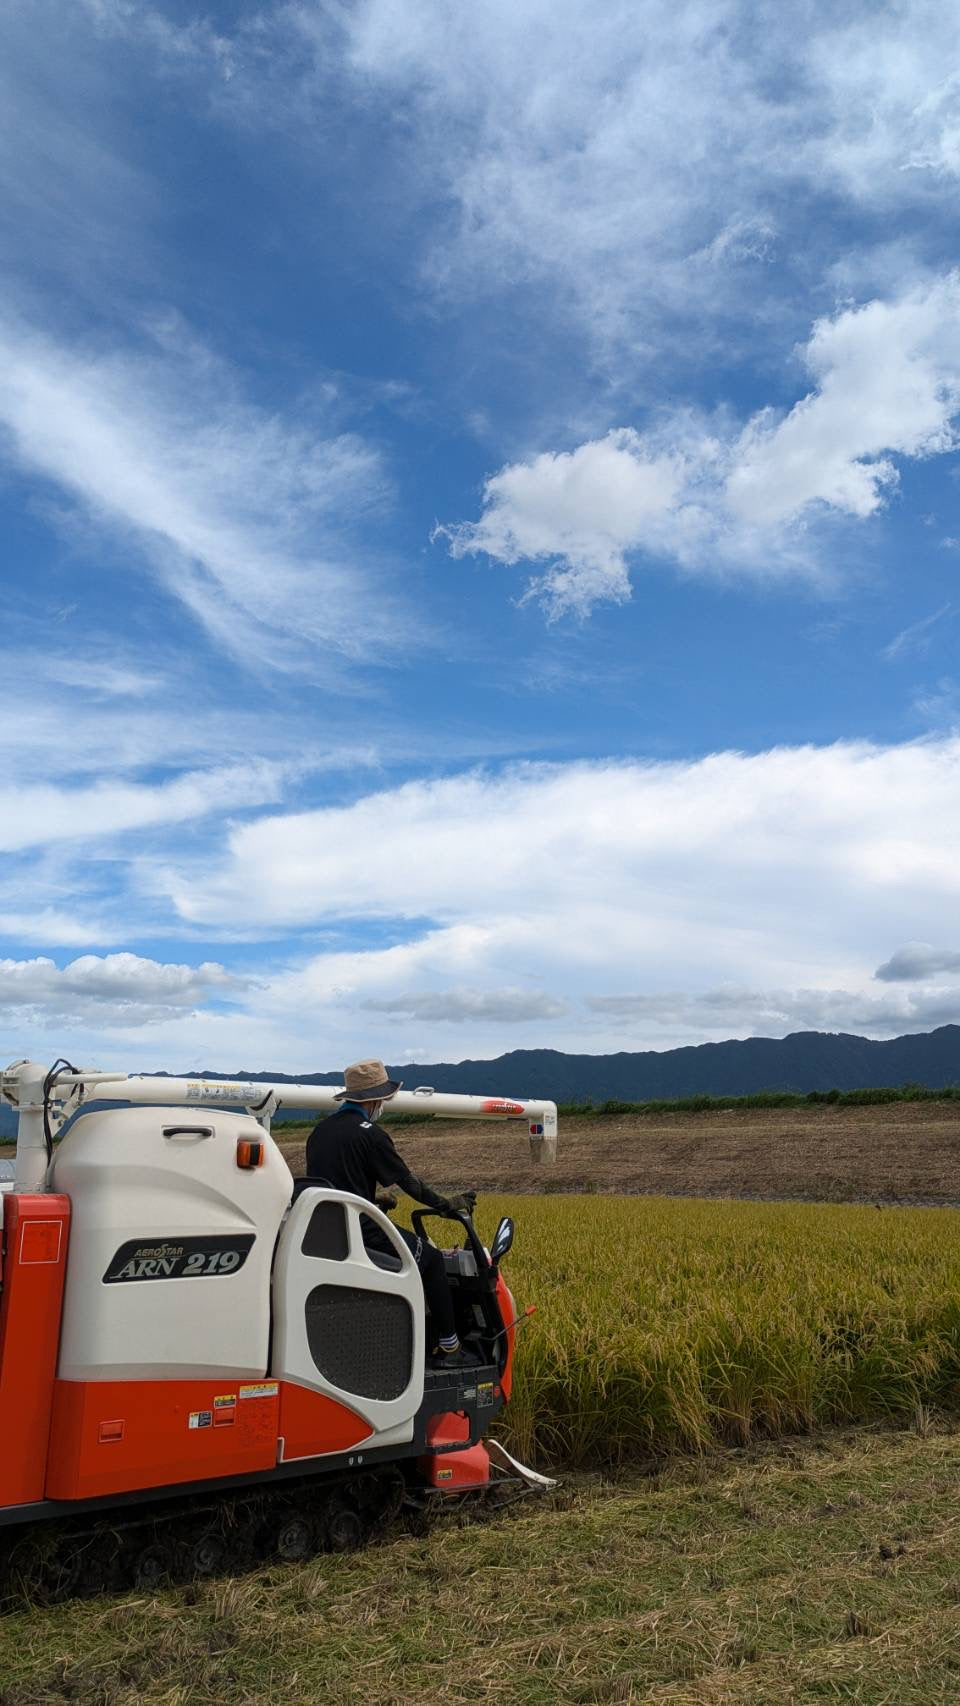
pixel 223 1416
pixel 109 1431
pixel 40 1241
pixel 250 1152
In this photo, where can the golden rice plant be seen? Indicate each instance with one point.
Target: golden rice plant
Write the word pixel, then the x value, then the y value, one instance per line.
pixel 665 1325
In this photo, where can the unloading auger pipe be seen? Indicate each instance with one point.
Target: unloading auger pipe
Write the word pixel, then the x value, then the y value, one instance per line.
pixel 22 1086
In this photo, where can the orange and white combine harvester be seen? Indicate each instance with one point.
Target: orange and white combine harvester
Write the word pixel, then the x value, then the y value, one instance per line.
pixel 182 1323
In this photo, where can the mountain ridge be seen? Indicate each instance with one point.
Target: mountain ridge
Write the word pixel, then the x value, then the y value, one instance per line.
pixel 801 1061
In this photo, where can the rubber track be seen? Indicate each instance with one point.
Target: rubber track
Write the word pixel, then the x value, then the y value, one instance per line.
pixel 189 1541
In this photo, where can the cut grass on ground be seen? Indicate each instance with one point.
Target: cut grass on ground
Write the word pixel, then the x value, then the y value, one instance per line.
pixel 819 1570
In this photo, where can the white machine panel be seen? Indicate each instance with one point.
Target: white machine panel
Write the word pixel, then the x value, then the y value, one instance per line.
pixel 343 1325
pixel 171 1245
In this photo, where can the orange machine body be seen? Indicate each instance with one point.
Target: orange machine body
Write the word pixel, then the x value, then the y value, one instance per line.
pixel 508 1313
pixel 35 1234
pixel 116 1436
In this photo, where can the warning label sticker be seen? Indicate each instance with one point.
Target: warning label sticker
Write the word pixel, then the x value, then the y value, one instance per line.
pixel 201 1419
pixel 224 1402
pixel 484 1392
pixel 263 1389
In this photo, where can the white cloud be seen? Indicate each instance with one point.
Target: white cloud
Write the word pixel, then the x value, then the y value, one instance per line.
pixel 112 990
pixel 580 841
pixel 49 926
pixel 887 383
pixel 245 517
pixel 588 506
pixel 590 906
pixel 891 102
pixel 887 380
pixel 609 905
pixel 31 816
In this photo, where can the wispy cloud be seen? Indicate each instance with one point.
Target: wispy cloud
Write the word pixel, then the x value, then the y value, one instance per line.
pixel 938 706
pixel 731 1011
pixel 624 167
pixel 471 1006
pixel 32 816
pixel 243 516
pixel 915 639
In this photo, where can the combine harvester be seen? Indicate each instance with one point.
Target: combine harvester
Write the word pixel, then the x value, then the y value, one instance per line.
pixel 200 1361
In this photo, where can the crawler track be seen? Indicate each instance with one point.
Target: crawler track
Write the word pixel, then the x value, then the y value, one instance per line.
pixel 192 1539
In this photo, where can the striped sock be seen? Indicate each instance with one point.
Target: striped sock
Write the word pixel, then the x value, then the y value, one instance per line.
pixel 450 1344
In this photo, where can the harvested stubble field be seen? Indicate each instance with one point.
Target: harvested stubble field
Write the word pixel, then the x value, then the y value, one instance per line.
pixel 827 1569
pixel 898 1152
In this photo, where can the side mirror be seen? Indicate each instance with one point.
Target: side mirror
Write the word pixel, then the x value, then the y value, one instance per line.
pixel 502 1239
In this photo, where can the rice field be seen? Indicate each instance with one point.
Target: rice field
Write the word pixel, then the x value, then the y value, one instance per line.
pixel 668 1326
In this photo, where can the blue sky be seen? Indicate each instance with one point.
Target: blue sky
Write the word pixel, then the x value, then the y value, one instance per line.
pixel 480 527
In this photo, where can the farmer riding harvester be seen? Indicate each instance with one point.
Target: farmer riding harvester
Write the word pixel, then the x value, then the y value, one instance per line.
pixel 182 1323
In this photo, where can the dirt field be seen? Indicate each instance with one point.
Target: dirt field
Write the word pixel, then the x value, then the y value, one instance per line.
pixel 901 1152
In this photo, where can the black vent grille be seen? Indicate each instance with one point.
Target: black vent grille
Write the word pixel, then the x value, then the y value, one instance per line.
pixel 361 1341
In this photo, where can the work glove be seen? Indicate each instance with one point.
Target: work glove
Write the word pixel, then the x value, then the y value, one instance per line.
pixel 465 1203
pixel 386 1201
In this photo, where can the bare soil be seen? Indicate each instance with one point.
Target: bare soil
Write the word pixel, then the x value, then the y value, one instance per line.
pixel 901 1152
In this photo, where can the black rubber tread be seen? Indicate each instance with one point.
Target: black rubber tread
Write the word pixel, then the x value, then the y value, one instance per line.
pixel 73 1559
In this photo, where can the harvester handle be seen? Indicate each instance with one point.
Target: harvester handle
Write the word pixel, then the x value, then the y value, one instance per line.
pixel 419 1215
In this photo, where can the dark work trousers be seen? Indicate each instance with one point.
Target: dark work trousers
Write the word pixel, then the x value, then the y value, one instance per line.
pixel 430 1263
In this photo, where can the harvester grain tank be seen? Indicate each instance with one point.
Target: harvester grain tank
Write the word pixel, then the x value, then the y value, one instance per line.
pixel 185 1328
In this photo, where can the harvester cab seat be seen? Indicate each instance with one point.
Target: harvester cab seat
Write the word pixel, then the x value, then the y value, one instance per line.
pixel 385 1259
pixel 306 1183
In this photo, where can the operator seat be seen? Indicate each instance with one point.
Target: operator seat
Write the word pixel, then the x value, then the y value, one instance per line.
pixel 380 1258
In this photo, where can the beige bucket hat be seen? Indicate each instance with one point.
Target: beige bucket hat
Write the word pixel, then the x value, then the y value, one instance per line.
pixel 367 1081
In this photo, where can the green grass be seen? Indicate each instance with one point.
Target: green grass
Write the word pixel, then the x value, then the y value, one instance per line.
pixel 784 1576
pixel 703 1104
pixel 667 1325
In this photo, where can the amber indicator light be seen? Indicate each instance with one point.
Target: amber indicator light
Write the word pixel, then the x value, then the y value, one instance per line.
pixel 251 1152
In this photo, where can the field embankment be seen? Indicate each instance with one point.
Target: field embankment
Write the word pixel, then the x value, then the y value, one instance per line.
pixel 819 1570
pixel 901 1152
